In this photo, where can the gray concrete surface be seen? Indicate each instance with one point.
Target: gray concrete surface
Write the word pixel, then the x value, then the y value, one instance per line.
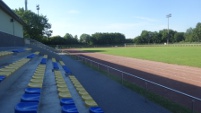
pixel 11 96
pixel 111 96
pixel 5 60
pixel 49 102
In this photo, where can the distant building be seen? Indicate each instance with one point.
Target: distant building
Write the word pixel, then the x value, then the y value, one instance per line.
pixel 10 23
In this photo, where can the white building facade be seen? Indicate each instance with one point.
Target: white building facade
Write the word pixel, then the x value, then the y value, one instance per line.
pixel 10 23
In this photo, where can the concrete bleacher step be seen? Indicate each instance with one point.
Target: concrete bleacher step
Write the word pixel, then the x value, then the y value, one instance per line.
pixel 32 96
pixel 64 95
pixel 39 86
pixel 88 100
pixel 85 100
pixel 13 88
pixel 10 73
pixel 6 59
pixel 49 102
pixel 5 53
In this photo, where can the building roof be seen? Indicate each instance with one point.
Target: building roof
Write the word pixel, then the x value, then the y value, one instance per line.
pixel 7 10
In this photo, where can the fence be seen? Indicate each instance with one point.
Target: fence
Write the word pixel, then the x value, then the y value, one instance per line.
pixel 44 49
pixel 164 45
pixel 192 102
pixel 33 42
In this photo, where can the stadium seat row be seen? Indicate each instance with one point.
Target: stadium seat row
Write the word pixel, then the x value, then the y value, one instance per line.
pixel 28 49
pixel 4 53
pixel 30 99
pixel 88 100
pixel 66 69
pixel 55 64
pixel 11 68
pixel 45 56
pixel 37 78
pixel 18 50
pixel 37 52
pixel 32 55
pixel 66 101
pixel 54 60
pixel 62 63
pixel 44 60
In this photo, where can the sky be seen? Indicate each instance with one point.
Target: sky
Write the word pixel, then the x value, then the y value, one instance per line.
pixel 128 17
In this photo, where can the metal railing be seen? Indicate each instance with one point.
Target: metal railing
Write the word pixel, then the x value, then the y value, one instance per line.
pixel 164 45
pixel 193 98
pixel 41 45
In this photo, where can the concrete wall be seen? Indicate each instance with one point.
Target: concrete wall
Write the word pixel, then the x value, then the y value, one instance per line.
pixel 8 40
pixel 9 25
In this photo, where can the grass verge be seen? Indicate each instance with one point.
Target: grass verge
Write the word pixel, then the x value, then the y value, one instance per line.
pixel 189 56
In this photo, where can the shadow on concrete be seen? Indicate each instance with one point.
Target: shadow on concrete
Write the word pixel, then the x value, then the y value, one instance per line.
pixel 180 86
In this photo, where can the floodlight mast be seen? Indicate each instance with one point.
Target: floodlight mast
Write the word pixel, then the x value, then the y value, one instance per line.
pixel 38 8
pixel 25 5
pixel 168 16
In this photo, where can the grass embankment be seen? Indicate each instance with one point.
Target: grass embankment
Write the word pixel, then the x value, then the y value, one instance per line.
pixel 190 56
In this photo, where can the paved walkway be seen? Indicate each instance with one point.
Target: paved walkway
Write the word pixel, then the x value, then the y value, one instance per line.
pixel 111 96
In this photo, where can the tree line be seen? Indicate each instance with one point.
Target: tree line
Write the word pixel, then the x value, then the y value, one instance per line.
pixel 149 37
pixel 37 27
pixel 86 39
pixel 102 39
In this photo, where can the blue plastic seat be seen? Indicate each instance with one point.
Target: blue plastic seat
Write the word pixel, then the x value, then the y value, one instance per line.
pixel 33 90
pixel 18 50
pixel 55 65
pixel 95 110
pixel 67 70
pixel 66 101
pixel 30 97
pixel 26 107
pixel 43 61
pixel 31 55
pixel 2 78
pixel 69 109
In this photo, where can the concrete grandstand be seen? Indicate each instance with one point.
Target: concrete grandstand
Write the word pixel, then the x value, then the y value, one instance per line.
pixel 35 78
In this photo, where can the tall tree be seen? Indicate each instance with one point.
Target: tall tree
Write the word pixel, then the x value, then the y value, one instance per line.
pixel 36 26
pixel 85 39
pixel 70 39
pixel 107 38
pixel 197 33
pixel 189 35
pixel 178 37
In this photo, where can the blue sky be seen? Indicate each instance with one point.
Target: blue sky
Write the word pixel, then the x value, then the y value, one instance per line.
pixel 129 17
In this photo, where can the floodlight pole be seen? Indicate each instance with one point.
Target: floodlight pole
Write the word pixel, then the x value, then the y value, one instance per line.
pixel 168 16
pixel 37 8
pixel 26 5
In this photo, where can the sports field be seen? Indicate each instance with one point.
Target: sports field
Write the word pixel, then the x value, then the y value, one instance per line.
pixel 190 56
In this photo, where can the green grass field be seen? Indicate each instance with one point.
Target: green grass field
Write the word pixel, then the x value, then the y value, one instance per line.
pixel 190 56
